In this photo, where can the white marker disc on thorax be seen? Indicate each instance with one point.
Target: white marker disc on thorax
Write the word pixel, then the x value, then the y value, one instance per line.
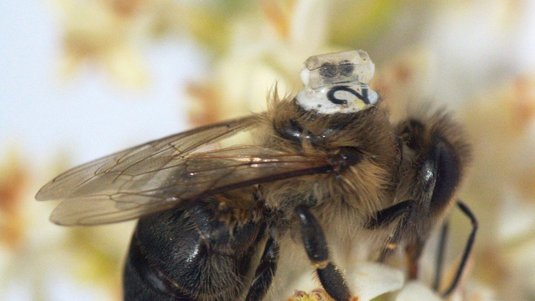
pixel 337 83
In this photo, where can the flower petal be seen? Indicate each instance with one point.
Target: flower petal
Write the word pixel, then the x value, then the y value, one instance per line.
pixel 415 290
pixel 370 280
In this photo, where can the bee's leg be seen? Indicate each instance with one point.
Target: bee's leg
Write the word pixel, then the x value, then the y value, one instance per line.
pixel 385 217
pixel 265 271
pixel 467 249
pixel 441 248
pixel 413 252
pixel 316 248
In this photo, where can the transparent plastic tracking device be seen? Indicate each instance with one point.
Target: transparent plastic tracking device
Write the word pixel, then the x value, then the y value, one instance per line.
pixel 337 83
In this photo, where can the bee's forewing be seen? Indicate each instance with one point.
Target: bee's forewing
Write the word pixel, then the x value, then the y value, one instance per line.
pixel 111 173
pixel 165 173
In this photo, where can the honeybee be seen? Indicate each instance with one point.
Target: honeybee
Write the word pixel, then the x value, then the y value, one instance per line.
pixel 216 216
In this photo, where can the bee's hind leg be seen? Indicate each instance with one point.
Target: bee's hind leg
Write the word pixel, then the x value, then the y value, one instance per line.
pixel 316 248
pixel 265 271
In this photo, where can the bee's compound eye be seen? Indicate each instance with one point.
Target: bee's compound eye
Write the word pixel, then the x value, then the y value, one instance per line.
pixel 328 70
pixel 448 173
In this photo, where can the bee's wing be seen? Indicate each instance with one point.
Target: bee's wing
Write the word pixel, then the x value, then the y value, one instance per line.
pixel 152 156
pixel 165 173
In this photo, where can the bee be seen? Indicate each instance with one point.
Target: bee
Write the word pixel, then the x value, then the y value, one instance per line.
pixel 217 217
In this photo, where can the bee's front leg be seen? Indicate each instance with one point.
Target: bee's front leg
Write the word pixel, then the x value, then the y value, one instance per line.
pixel 466 253
pixel 385 217
pixel 317 250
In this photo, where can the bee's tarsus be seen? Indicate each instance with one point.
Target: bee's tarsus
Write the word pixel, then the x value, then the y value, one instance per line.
pixel 333 282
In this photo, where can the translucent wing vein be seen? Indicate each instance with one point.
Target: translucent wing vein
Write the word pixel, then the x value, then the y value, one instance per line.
pixel 168 172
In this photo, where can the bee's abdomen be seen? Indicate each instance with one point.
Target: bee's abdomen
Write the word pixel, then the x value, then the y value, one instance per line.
pixel 189 255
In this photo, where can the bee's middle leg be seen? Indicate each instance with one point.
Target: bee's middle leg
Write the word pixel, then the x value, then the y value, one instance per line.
pixel 317 251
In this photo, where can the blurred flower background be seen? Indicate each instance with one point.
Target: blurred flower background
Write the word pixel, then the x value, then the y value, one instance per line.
pixel 83 78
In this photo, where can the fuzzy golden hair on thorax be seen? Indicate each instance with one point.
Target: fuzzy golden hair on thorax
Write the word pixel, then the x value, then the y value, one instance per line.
pixel 366 186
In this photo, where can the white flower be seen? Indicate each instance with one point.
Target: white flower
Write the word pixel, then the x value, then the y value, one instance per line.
pixel 370 280
pixel 417 291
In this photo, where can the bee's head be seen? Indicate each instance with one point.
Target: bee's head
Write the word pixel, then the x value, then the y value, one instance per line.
pixel 337 83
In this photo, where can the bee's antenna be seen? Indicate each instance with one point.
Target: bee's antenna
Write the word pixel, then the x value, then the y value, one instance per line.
pixel 467 249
